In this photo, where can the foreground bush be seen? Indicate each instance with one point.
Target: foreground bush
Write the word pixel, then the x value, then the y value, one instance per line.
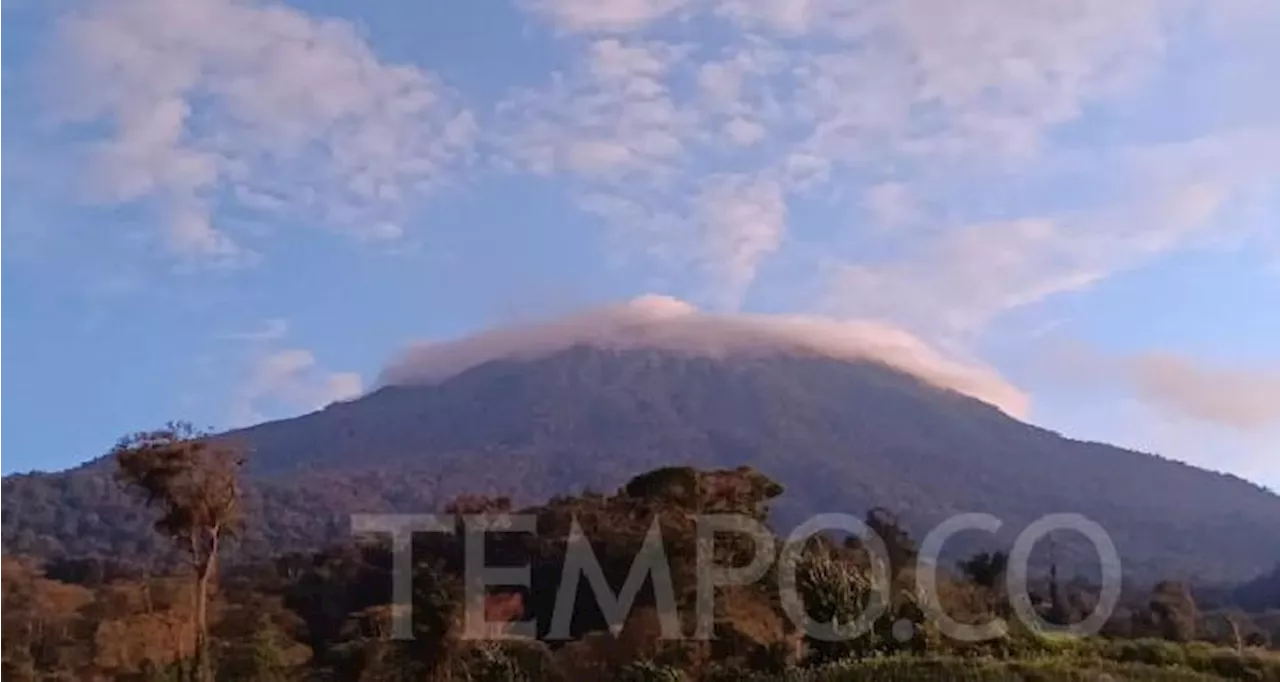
pixel 953 669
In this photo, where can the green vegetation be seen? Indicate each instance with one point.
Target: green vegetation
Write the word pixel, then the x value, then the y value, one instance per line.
pixel 959 669
pixel 328 615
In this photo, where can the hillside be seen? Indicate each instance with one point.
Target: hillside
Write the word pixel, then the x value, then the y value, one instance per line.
pixel 840 435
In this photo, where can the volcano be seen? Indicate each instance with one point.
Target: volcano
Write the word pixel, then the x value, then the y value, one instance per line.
pixel 841 431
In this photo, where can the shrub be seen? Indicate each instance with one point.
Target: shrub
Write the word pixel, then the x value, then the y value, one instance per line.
pixel 647 670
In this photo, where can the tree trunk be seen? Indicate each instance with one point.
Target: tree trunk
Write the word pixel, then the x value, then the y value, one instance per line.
pixel 1236 640
pixel 200 673
pixel 204 575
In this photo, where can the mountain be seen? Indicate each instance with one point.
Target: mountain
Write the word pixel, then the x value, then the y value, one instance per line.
pixel 841 435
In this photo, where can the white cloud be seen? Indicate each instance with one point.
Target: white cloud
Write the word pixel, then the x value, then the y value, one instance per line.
pixel 619 130
pixel 272 329
pixel 951 286
pixel 613 117
pixel 915 79
pixel 1241 397
pixel 822 98
pixel 744 220
pixel 744 132
pixel 604 15
pixel 667 323
pixel 890 204
pixel 948 282
pixel 191 233
pixel 633 128
pixel 287 381
pixel 217 104
pixel 276 380
pixel 786 16
pixel 207 102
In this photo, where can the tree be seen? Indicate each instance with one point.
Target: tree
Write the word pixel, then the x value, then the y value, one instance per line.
pixel 193 480
pixel 1173 611
pixel 901 551
pixel 834 592
pixel 985 569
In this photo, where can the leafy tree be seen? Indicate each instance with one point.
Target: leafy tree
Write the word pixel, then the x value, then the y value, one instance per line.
pixel 193 481
pixel 266 654
pixel 833 591
pixel 898 545
pixel 1173 611
pixel 985 569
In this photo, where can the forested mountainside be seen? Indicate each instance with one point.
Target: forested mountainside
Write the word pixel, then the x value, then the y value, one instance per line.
pixel 328 615
pixel 840 436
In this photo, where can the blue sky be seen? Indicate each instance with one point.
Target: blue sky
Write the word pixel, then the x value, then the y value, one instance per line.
pixel 229 211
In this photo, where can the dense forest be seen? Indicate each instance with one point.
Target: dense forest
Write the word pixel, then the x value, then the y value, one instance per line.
pixel 329 615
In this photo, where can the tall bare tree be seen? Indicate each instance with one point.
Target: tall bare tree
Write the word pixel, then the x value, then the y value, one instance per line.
pixel 193 480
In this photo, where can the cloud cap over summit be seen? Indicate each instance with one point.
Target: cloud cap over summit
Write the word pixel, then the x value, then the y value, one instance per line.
pixel 666 323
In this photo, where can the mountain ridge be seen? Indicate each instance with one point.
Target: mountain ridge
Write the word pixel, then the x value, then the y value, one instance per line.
pixel 840 436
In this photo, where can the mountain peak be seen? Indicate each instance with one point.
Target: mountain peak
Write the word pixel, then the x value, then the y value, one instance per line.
pixel 657 322
pixel 840 435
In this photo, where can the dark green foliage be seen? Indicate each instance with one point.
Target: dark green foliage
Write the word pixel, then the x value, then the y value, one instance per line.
pixel 499 661
pixel 327 616
pixel 675 484
pixel 646 670
pixel 833 590
pixel 985 569
pixel 949 669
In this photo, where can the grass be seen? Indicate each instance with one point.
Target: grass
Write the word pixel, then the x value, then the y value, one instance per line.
pixel 1057 660
pixel 958 669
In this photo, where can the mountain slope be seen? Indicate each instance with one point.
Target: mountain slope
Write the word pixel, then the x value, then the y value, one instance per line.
pixel 841 436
